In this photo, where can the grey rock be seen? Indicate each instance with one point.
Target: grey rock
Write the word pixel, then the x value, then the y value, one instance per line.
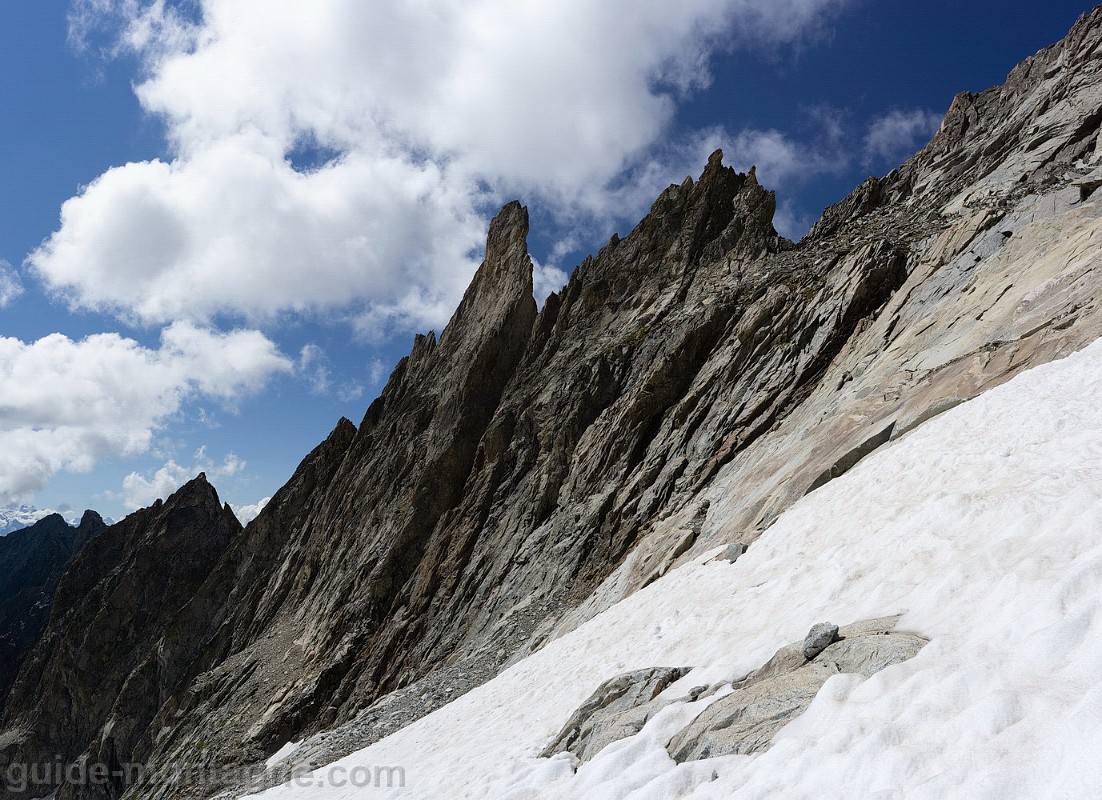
pixel 732 552
pixel 618 708
pixel 850 459
pixel 1011 160
pixel 747 719
pixel 818 638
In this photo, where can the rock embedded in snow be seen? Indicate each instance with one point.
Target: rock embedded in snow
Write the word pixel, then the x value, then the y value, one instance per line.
pixel 763 702
pixel 732 552
pixel 745 720
pixel 818 638
pixel 619 708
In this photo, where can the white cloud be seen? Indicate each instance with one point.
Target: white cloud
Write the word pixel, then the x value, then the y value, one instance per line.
pixel 378 372
pixel 314 365
pixel 899 134
pixel 10 285
pixel 317 369
pixel 66 405
pixel 142 490
pixel 546 279
pixel 247 513
pixel 236 229
pixel 781 160
pixel 348 392
pixel 432 112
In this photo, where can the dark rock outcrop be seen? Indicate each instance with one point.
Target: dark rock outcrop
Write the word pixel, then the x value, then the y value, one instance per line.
pixel 34 560
pixel 109 656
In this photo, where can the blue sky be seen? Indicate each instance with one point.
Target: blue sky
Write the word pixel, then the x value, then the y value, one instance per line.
pixel 223 221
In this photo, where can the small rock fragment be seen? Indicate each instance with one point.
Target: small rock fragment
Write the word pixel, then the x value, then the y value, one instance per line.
pixel 732 552
pixel 819 638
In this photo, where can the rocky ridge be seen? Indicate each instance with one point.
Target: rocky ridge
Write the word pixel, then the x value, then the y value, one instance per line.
pixel 111 651
pixel 34 560
pixel 527 469
pixel 998 222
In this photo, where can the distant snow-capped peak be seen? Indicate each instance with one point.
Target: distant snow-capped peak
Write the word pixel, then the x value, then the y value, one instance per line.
pixel 15 516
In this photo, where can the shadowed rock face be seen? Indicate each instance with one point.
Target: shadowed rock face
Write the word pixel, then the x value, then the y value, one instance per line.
pixel 104 663
pixel 34 560
pixel 692 380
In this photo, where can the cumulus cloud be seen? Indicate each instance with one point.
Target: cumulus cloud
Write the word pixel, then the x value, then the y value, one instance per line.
pixel 343 155
pixel 898 134
pixel 247 513
pixel 66 405
pixel 377 371
pixel 546 279
pixel 782 160
pixel 313 363
pixel 142 490
pixel 10 285
pixel 236 231
pixel 317 369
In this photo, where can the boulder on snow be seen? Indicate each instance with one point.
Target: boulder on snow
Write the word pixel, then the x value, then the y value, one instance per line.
pixel 763 702
pixel 818 638
pixel 760 704
pixel 619 708
pixel 732 552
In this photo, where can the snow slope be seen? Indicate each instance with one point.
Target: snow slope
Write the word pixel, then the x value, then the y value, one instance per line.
pixel 984 526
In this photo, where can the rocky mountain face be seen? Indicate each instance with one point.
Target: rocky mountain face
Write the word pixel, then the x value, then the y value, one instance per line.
pixel 527 469
pixel 34 560
pixel 110 654
pixel 997 222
